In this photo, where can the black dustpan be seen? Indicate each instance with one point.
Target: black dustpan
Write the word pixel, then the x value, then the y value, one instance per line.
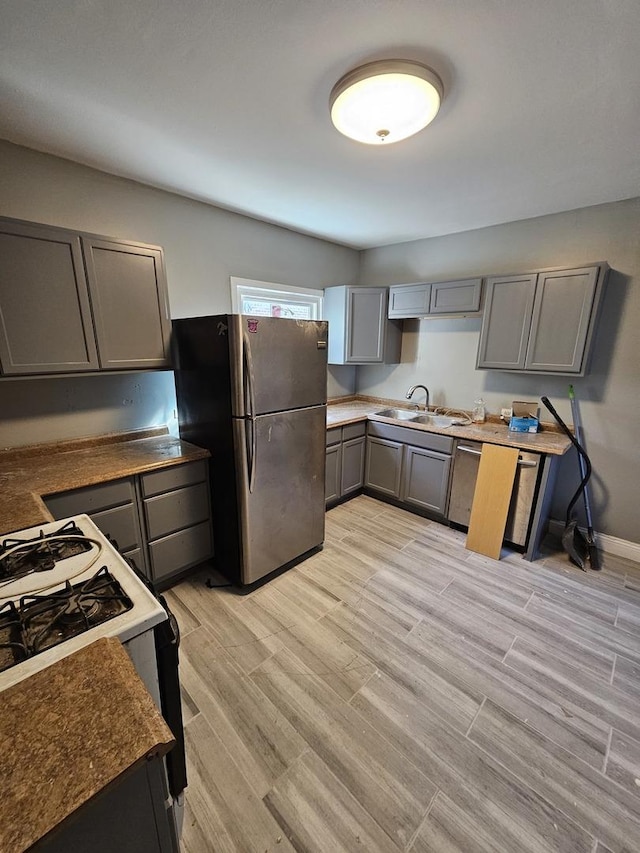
pixel 573 540
pixel 575 544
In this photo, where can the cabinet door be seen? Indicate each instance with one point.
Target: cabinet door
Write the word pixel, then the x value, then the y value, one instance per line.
pixel 352 477
pixel 128 293
pixel 366 319
pixel 561 313
pixel 384 466
pixel 45 317
pixel 426 479
pixel 506 322
pixel 409 300
pixel 332 473
pixel 451 297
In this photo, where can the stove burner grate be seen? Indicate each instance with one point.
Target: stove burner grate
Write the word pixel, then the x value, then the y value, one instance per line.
pixel 39 622
pixel 41 553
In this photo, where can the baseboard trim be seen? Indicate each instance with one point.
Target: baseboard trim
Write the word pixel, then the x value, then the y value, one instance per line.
pixel 607 544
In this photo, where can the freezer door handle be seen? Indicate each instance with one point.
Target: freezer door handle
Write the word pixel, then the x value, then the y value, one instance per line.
pixel 249 383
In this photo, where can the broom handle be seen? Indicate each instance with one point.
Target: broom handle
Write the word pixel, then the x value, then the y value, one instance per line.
pixel 577 425
pixel 581 455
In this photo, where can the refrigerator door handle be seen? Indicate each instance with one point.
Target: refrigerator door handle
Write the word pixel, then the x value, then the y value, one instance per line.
pixel 251 462
pixel 248 376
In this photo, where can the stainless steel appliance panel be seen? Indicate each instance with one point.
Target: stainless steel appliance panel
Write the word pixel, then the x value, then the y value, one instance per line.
pixel 276 364
pixel 463 484
pixel 280 459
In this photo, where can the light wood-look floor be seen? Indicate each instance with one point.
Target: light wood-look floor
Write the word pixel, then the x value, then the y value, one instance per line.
pixel 397 692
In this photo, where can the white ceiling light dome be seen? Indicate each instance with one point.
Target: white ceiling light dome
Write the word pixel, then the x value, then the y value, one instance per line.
pixel 385 101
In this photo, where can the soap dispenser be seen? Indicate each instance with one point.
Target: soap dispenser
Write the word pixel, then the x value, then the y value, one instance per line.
pixel 479 415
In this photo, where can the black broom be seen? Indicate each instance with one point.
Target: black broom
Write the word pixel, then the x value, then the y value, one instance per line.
pixel 573 540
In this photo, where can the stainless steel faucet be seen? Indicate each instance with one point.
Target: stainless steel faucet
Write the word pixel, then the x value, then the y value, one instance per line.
pixel 414 388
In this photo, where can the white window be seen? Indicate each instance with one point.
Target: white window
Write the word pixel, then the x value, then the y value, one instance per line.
pixel 266 299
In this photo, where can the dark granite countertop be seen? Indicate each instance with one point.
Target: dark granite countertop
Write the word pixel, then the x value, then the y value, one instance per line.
pixel 29 473
pixel 66 733
pixel 494 431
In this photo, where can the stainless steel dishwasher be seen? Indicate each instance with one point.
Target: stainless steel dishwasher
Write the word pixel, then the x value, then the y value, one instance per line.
pixel 466 461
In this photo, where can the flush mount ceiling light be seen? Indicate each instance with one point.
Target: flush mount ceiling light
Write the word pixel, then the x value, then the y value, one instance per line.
pixel 385 101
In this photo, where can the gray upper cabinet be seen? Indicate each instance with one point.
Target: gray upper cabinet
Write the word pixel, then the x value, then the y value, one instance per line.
pixel 541 322
pixel 409 300
pixel 45 316
pixel 456 297
pixel 561 313
pixel 436 298
pixel 359 331
pixel 128 295
pixel 506 322
pixel 72 302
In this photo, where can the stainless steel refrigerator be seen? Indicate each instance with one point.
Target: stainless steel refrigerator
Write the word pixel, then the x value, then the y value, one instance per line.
pixel 253 391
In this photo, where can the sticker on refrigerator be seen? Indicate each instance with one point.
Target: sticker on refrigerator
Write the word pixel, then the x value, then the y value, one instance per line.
pixel 222 328
pixel 252 326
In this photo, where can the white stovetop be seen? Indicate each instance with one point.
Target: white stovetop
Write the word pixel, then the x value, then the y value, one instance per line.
pixel 144 615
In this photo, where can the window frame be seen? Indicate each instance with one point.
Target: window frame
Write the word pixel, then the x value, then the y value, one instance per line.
pixel 242 288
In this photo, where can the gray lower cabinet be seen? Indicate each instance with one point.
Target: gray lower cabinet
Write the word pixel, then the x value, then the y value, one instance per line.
pixel 359 330
pixel 384 466
pixel 541 322
pixel 160 520
pixel 425 481
pixel 462 296
pixel 177 518
pixel 352 475
pixel 344 467
pixel 73 302
pixel 113 507
pixel 332 473
pixel 130 816
pixel 410 466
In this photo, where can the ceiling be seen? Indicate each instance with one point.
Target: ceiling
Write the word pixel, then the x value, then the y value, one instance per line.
pixel 226 101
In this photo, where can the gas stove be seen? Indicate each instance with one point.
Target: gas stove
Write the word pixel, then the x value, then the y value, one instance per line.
pixel 63 586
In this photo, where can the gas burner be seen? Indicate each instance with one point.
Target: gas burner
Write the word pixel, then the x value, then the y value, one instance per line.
pixel 78 611
pixel 39 622
pixel 19 557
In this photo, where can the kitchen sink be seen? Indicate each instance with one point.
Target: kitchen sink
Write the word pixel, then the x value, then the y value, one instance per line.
pixel 398 414
pixel 433 420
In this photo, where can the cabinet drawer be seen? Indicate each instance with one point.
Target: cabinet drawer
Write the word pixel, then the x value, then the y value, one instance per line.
pixel 175 510
pixel 174 477
pixel 334 436
pixel 119 524
pixel 353 431
pixel 180 550
pixel 91 498
pixel 416 437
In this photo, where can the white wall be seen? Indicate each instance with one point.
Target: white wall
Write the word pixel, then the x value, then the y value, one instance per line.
pixel 441 353
pixel 203 246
